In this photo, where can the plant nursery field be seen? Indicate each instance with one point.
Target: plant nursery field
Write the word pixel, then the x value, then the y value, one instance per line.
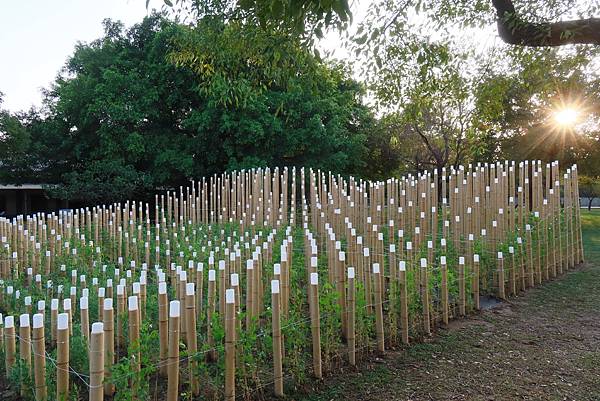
pixel 287 282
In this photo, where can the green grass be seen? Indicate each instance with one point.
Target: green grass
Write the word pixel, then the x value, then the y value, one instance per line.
pixel 590 227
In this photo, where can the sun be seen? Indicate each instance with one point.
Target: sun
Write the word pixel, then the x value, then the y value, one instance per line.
pixel 566 117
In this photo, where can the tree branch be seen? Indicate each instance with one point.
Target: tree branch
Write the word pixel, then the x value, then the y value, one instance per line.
pixel 433 151
pixel 513 30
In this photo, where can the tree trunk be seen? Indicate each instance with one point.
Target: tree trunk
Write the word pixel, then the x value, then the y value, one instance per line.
pixel 513 30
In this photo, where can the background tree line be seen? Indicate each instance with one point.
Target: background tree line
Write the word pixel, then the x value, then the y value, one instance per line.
pixel 242 85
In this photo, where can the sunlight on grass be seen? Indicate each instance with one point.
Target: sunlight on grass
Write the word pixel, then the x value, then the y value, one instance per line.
pixel 590 226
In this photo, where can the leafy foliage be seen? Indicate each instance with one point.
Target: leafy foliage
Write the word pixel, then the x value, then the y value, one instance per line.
pixel 131 113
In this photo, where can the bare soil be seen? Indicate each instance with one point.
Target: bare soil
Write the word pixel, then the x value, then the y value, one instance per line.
pixel 542 345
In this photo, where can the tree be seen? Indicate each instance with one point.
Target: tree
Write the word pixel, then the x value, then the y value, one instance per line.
pixel 14 142
pixel 526 26
pixel 433 123
pixel 128 115
pixel 515 30
pixel 520 107
pixel 589 187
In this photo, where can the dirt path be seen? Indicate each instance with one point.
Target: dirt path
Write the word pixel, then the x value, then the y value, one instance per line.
pixel 544 345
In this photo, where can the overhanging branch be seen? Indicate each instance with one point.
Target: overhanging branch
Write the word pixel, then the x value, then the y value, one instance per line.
pixel 512 29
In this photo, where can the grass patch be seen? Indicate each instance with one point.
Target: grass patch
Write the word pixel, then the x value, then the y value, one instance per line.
pixel 590 227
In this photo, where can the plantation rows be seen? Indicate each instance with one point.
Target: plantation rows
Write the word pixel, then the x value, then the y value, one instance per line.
pixel 256 282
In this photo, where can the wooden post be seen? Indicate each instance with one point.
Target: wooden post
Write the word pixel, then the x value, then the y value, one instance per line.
pixel 39 358
pixel 109 344
pixel 378 308
pixel 53 318
pixel 85 317
pixel 163 327
pixel 277 341
pixel 134 341
pixel 512 278
pixel 315 324
pixel 501 286
pixel 121 304
pixel 10 344
pixel 97 362
pixel 475 283
pixel 221 283
pixel 192 339
pixel 462 297
pixel 62 357
pixel 101 295
pixel 173 361
pixel 249 291
pixel 521 262
pixel 402 281
pixel 340 280
pixel 212 354
pixel 199 286
pixel 425 296
pixel 351 317
pixel 25 346
pixel 230 336
pixel 68 309
pixel 444 294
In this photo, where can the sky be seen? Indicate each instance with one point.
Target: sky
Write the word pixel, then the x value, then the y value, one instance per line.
pixel 37 37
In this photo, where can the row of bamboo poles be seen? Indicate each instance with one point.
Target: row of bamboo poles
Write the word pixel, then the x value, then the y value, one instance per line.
pixel 253 251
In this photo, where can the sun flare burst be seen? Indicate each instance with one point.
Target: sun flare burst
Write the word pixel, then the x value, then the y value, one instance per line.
pixel 566 117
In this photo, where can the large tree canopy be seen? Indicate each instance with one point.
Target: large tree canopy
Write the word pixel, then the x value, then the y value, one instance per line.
pixel 236 87
pixel 130 114
pixel 520 22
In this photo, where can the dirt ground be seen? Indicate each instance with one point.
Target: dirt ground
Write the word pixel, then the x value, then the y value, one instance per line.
pixel 542 345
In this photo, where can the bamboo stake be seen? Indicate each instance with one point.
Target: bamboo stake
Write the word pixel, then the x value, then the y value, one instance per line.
pixel 121 305
pixel 68 309
pixel 62 357
pixel 134 342
pixel 212 355
pixel 173 361
pixel 444 289
pixel 39 358
pixel 378 309
pixel 277 340
pixel 10 346
pixel 475 284
pixel 53 318
pixel 512 278
pixel 109 344
pixel 97 362
pixel 462 297
pixel 25 346
pixel 351 318
pixel 403 300
pixel 84 317
pixel 315 324
pixel 501 288
pixel 230 337
pixel 163 327
pixel 425 296
pixel 192 342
